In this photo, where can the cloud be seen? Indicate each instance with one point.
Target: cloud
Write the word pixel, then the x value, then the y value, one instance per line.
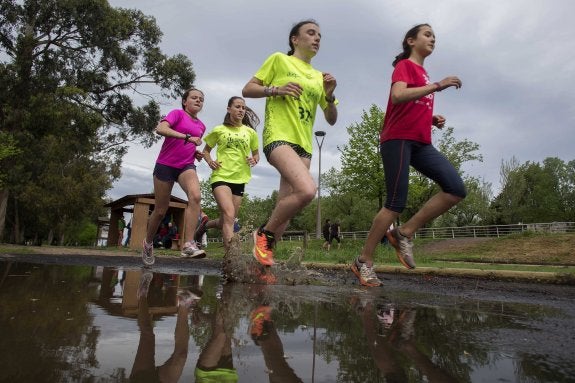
pixel 515 59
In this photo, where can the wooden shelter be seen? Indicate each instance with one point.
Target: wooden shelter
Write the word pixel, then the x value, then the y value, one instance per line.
pixel 141 205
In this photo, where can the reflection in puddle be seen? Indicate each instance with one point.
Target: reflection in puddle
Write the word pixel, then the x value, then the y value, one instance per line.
pixel 79 323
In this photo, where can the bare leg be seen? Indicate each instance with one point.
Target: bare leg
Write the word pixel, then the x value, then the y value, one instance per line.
pixel 189 182
pixel 171 371
pixel 379 226
pixel 162 192
pixel 229 206
pixel 434 207
pixel 297 187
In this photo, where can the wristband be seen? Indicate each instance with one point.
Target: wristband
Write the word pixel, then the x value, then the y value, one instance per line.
pixel 187 138
pixel 330 100
pixel 438 89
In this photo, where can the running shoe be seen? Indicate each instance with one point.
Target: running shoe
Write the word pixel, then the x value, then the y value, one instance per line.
pixel 365 274
pixel 148 253
pixel 201 229
pixel 263 246
pixel 258 319
pixel 191 250
pixel 403 248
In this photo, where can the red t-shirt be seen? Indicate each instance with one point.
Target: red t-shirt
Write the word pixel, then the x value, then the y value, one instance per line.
pixel 410 120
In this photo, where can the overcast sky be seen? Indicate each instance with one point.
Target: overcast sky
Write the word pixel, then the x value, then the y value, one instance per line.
pixel 515 58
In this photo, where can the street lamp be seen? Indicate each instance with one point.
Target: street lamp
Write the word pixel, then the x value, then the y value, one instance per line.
pixel 319 136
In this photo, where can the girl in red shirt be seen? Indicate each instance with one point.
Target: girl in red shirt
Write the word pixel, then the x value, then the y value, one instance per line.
pixel 406 140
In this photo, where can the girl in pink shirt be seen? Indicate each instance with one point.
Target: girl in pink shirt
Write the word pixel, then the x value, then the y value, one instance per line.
pixel 182 131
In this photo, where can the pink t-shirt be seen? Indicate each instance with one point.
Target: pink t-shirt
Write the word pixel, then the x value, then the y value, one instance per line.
pixel 410 120
pixel 175 152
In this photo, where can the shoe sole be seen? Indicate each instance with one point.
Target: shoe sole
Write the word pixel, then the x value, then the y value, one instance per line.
pixel 254 250
pixel 197 256
pixel 393 242
pixel 361 280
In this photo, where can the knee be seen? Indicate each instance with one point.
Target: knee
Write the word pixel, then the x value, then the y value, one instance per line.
pixel 308 194
pixel 194 198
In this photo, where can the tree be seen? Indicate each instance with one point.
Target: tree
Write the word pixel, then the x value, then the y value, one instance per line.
pixel 532 192
pixel 74 66
pixel 362 168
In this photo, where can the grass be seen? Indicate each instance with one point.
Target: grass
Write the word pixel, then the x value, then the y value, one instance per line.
pixel 533 252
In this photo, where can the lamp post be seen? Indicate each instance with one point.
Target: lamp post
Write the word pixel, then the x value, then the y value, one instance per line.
pixel 319 136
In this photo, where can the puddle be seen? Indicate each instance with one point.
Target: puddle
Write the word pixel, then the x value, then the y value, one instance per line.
pixel 88 323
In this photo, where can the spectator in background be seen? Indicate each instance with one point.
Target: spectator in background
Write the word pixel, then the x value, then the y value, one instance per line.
pixel 325 232
pixel 334 233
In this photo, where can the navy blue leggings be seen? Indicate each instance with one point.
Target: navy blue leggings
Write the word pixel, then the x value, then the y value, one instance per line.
pixel 397 155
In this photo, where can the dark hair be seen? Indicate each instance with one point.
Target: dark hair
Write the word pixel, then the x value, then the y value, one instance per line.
pixel 411 34
pixel 187 93
pixel 295 31
pixel 250 119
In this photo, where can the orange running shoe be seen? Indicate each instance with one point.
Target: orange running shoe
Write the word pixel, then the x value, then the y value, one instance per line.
pixel 258 318
pixel 263 246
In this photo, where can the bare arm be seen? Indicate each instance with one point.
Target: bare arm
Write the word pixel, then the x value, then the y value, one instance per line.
pixel 164 129
pixel 400 93
pixel 207 156
pixel 256 89
pixel 329 84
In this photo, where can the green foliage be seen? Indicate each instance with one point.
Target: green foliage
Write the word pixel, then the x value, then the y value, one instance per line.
pixel 362 168
pixel 74 66
pixel 534 192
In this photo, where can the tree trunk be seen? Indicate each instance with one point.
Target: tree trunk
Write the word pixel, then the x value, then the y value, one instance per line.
pixel 4 193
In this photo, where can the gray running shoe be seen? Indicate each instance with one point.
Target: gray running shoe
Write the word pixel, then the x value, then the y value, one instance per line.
pixel 365 274
pixel 403 247
pixel 191 250
pixel 148 253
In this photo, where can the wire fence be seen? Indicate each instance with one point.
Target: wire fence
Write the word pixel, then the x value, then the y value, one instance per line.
pixel 447 232
pixel 477 231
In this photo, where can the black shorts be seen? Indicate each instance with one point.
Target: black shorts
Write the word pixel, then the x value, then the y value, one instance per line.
pixel 170 174
pixel 298 149
pixel 237 189
pixel 398 155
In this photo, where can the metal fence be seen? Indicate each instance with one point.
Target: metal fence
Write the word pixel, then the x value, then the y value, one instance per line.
pixel 479 231
pixel 446 232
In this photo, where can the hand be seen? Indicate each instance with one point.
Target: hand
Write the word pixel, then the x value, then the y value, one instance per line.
pixel 329 84
pixel 291 89
pixel 195 140
pixel 213 164
pixel 251 161
pixel 199 155
pixel 438 121
pixel 450 81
